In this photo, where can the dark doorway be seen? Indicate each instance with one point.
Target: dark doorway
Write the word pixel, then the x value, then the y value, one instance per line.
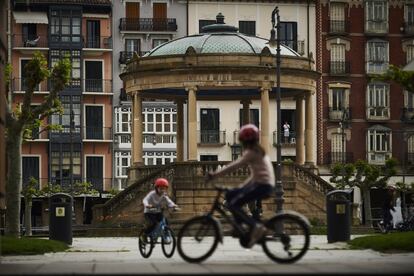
pixel 94 122
pixel 93 76
pixel 93 34
pixel 94 171
pixel 30 168
pixel 209 126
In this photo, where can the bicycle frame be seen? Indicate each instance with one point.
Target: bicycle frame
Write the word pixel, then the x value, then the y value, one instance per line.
pixel 158 230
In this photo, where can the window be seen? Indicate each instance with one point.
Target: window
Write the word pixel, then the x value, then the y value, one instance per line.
pixel 65 25
pixel 338 99
pixel 70 119
pixel 409 99
pixel 379 140
pixel 123 119
pixel 410 53
pixel 378 101
pixel 132 45
pixel 410 149
pixel 209 125
pixel 409 18
pixel 376 16
pixel 338 64
pixel 289 35
pixel 30 168
pixel 61 165
pixel 337 17
pixel 157 42
pixel 160 119
pixel 337 148
pixel 247 27
pixel 74 57
pixel 94 128
pixel 123 162
pixel 377 57
pixel 204 22
pixel 94 81
pixel 93 39
pixel 29 32
pixel 159 157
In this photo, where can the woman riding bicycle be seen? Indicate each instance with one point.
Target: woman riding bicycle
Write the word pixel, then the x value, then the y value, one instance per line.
pixel 152 205
pixel 258 186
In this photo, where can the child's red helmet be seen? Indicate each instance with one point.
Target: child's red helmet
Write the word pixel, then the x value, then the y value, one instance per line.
pixel 249 133
pixel 161 182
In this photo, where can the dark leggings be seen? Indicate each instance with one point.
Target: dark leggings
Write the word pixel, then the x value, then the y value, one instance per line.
pixel 152 219
pixel 237 197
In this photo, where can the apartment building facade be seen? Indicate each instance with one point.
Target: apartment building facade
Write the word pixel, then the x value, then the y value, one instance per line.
pixel 139 26
pixel 252 18
pixel 81 151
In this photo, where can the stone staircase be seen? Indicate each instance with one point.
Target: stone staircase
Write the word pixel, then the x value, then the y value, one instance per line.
pixel 304 192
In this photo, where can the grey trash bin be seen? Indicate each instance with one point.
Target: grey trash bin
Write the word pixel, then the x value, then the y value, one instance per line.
pixel 338 211
pixel 60 217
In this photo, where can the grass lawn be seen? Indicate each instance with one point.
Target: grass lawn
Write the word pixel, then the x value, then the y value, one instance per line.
pixel 391 242
pixel 29 246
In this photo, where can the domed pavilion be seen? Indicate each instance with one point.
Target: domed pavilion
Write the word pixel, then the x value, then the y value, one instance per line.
pixel 221 64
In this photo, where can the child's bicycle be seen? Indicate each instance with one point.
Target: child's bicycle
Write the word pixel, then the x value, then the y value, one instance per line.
pixel 162 232
pixel 286 241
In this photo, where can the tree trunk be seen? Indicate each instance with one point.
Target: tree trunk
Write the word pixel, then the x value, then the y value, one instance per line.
pixel 367 206
pixel 28 216
pixel 13 183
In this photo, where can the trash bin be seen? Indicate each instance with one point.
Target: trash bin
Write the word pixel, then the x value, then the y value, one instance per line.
pixel 338 211
pixel 60 217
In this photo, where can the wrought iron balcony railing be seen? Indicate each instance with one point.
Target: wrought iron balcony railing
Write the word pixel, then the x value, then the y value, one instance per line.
pixel 376 26
pixel 378 113
pixel 97 133
pixel 286 140
pixel 31 41
pixel 339 157
pixel 338 114
pixel 339 67
pixel 158 138
pixel 126 56
pixel 148 24
pixel 212 137
pixel 296 45
pixel 338 26
pixel 97 86
pixel 377 66
pixel 20 85
pixel 97 42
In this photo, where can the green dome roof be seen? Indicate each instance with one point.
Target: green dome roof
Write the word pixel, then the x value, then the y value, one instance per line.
pixel 218 38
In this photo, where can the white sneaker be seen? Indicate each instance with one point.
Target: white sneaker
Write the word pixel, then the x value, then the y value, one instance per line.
pixel 257 233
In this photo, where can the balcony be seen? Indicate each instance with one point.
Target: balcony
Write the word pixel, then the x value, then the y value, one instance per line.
pixel 97 134
pixel 377 67
pixel 97 86
pixel 158 138
pixel 376 27
pixel 19 85
pixel 409 28
pixel 29 44
pixel 39 136
pixel 286 141
pixel 338 27
pixel 123 140
pixel 96 45
pixel 148 25
pixel 211 138
pixel 339 157
pixel 339 67
pixel 407 115
pixel 378 113
pixel 126 56
pixel 338 114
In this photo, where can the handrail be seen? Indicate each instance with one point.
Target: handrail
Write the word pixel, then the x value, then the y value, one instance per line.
pixel 312 179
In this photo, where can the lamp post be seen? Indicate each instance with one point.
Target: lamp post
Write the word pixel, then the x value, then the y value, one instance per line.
pixel 276 41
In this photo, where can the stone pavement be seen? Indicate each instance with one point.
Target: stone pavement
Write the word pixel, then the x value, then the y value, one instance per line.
pixel 120 256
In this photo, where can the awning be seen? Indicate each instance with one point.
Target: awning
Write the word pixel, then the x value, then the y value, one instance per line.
pixel 31 17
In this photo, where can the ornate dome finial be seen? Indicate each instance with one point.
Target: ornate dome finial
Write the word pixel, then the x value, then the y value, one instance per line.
pixel 220 18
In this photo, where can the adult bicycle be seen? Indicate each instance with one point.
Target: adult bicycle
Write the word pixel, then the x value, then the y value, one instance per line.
pixel 162 234
pixel 286 240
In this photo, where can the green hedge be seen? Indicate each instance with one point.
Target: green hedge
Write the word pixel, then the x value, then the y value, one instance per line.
pixel 29 246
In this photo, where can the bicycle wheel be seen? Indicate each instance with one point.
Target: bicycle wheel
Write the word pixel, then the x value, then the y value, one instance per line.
pixel 168 242
pixel 198 239
pixel 287 239
pixel 145 247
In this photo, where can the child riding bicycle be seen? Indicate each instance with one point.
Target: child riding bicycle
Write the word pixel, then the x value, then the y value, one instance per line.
pixel 258 186
pixel 153 202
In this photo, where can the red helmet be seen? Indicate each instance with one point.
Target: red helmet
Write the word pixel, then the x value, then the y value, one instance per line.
pixel 161 182
pixel 249 133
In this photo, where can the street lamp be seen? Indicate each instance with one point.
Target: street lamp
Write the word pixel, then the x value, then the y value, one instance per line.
pixel 275 41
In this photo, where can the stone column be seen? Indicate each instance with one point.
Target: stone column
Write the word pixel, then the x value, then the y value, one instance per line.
pixel 309 129
pixel 192 124
pixel 264 125
pixel 246 111
pixel 137 130
pixel 300 145
pixel 180 130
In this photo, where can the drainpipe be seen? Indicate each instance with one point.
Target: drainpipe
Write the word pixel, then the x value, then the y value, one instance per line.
pixel 187 17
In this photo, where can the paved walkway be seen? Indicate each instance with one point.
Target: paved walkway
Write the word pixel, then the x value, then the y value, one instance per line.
pixel 120 256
